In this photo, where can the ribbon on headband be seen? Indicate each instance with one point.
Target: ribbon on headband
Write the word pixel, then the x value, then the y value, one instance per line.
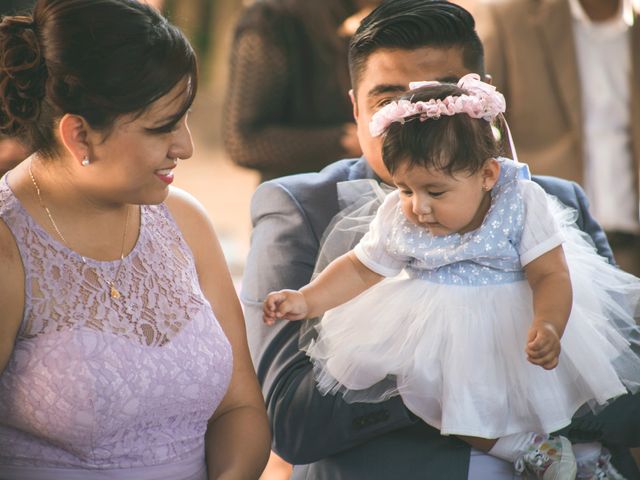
pixel 483 101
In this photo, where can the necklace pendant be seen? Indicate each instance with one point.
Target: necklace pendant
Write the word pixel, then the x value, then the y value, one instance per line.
pixel 114 291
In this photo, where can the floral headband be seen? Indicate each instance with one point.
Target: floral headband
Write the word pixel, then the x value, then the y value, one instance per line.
pixel 483 101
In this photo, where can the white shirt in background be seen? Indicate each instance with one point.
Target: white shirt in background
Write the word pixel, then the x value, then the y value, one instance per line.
pixel 604 65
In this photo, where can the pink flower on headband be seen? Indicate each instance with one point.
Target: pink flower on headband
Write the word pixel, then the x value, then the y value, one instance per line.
pixel 483 101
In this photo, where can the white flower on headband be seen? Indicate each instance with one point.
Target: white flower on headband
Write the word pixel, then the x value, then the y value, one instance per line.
pixel 483 101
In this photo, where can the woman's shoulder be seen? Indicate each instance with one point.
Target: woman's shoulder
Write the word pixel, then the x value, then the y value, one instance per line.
pixel 13 218
pixel 192 220
pixel 8 247
pixel 11 292
pixel 188 213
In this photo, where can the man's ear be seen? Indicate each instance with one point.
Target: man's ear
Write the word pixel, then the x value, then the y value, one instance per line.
pixel 74 134
pixel 490 173
pixel 354 104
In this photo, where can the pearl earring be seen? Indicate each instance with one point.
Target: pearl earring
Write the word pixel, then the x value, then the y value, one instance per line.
pixel 85 161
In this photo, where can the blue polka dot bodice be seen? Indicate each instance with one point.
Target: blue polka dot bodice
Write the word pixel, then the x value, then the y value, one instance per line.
pixel 485 256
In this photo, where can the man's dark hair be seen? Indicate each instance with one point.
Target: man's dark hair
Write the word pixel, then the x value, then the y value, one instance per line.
pixel 411 24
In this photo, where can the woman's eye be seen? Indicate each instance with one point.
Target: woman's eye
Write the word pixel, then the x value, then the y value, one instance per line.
pixel 165 129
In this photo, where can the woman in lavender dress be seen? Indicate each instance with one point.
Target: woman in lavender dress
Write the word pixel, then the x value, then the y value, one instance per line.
pixel 122 346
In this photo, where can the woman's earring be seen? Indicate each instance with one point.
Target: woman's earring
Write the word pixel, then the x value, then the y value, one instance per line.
pixel 85 161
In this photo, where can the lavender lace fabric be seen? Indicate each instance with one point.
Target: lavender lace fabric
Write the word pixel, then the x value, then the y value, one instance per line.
pixel 102 383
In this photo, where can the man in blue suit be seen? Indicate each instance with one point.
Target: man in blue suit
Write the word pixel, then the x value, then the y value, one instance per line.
pixel 323 436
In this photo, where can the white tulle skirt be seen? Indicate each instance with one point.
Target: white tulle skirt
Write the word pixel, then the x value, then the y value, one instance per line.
pixel 455 354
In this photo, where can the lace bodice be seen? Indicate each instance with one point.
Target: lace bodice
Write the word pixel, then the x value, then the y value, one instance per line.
pixel 96 382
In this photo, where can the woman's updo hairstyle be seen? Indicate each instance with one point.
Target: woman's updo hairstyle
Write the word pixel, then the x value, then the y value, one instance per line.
pixel 22 74
pixel 451 144
pixel 98 59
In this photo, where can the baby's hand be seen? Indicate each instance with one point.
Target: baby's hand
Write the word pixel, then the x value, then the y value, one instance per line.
pixel 543 345
pixel 284 305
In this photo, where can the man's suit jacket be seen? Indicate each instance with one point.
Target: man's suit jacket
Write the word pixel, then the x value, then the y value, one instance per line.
pixel 324 436
pixel 530 54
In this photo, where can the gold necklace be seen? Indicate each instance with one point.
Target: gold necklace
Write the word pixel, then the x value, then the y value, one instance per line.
pixel 113 291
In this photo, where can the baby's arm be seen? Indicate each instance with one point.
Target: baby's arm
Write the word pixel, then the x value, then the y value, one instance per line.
pixel 344 278
pixel 549 279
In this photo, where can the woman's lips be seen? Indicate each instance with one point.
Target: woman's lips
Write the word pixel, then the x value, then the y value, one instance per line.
pixel 166 175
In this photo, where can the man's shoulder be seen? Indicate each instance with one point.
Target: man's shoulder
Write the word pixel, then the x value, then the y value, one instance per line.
pixel 318 187
pixel 567 191
pixel 314 196
pixel 333 173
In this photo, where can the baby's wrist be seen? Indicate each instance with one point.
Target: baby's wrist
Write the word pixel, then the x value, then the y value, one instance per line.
pixel 547 324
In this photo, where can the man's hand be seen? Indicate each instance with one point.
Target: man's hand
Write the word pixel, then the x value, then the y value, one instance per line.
pixel 284 305
pixel 543 345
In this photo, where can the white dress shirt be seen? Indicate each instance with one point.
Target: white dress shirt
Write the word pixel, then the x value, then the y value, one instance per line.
pixel 604 65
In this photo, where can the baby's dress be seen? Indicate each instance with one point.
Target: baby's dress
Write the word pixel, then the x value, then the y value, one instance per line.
pixel 108 388
pixel 447 328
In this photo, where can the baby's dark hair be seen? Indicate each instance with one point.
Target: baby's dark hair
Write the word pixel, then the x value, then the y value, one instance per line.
pixel 98 59
pixel 450 143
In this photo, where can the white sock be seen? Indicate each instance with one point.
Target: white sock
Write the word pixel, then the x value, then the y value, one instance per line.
pixel 511 447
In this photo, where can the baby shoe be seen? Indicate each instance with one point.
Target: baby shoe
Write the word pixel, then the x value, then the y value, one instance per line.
pixel 598 468
pixel 548 458
pixel 604 469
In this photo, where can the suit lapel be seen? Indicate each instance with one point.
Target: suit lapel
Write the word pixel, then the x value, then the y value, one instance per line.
pixel 553 23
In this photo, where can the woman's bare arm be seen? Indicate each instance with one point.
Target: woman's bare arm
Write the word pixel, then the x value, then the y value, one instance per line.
pixel 11 293
pixel 238 439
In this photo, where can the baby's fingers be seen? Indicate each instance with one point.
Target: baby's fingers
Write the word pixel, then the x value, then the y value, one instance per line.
pixel 538 347
pixel 273 300
pixel 268 319
pixel 545 355
pixel 273 307
pixel 548 362
pixel 268 314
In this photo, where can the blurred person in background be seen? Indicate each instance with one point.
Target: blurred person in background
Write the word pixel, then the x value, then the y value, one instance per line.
pixel 323 436
pixel 570 72
pixel 287 108
pixel 123 352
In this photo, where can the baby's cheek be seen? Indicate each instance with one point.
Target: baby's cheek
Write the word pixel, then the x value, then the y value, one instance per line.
pixel 408 212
